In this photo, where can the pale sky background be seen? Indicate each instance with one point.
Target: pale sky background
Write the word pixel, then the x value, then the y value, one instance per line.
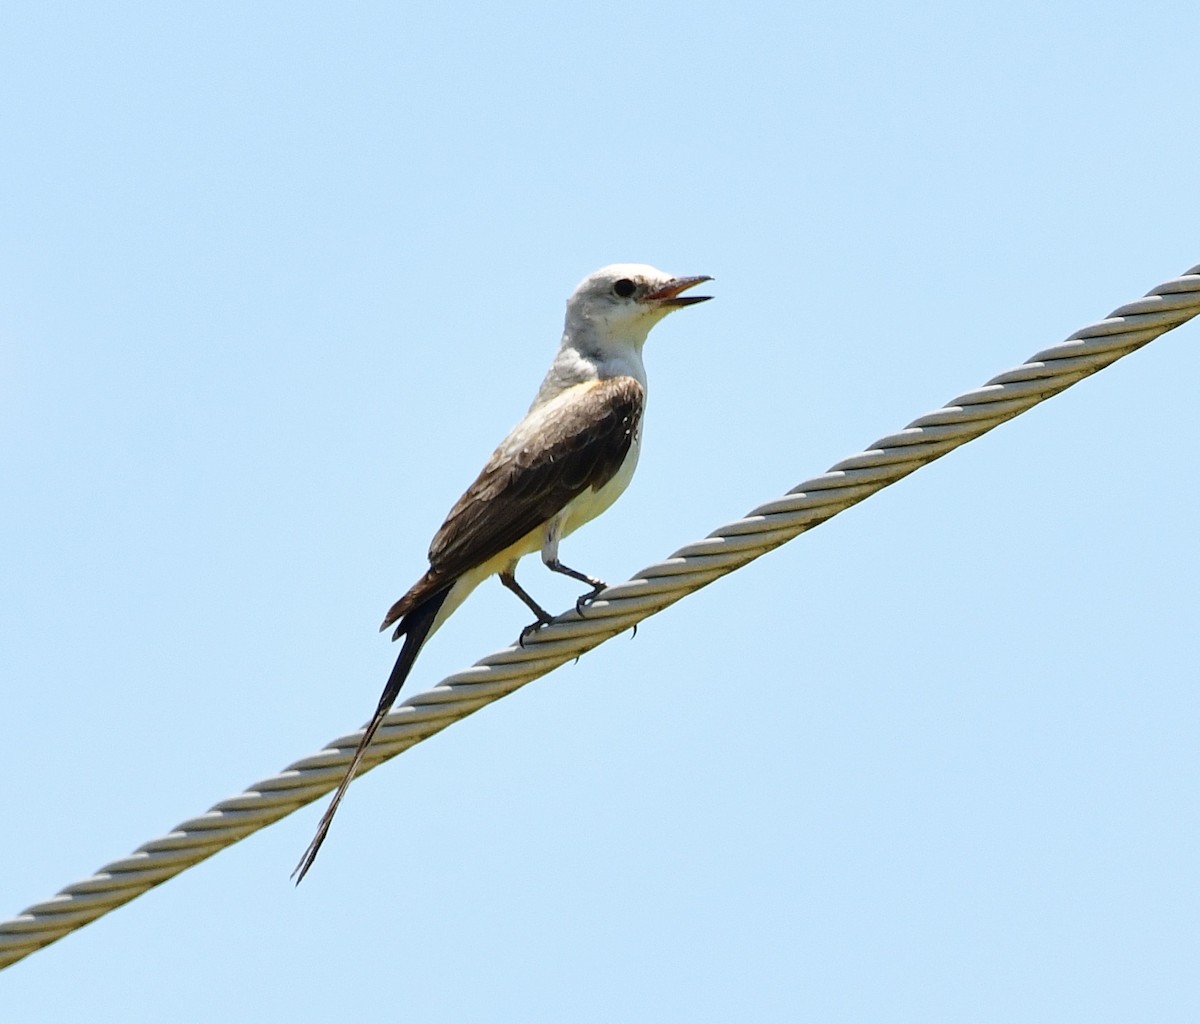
pixel 275 278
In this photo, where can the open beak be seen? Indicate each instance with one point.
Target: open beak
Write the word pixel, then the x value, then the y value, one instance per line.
pixel 669 294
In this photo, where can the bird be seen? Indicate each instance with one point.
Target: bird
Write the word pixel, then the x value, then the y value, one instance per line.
pixel 567 461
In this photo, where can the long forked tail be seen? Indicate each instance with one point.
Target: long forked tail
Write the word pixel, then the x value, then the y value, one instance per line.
pixel 415 628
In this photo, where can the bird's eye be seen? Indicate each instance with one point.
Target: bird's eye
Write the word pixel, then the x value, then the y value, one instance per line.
pixel 624 288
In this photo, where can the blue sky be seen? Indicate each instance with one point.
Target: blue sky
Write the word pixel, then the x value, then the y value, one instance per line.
pixel 277 277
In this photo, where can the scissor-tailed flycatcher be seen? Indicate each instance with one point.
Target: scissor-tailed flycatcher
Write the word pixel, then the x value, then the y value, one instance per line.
pixel 562 465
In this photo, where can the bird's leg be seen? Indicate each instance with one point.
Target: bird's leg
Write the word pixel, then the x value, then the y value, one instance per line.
pixel 550 561
pixel 509 579
pixel 597 585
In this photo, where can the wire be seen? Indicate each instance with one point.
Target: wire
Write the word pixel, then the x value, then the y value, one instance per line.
pixel 766 527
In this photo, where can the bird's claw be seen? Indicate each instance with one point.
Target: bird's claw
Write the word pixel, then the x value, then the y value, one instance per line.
pixel 589 597
pixel 532 628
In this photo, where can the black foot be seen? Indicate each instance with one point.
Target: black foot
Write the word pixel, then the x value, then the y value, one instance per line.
pixel 590 596
pixel 532 628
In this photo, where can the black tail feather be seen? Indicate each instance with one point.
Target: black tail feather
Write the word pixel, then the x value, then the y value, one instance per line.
pixel 415 629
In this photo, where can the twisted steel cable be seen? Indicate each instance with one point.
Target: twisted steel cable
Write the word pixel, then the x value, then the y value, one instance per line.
pixel 764 528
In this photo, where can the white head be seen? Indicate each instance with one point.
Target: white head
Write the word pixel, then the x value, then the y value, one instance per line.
pixel 615 307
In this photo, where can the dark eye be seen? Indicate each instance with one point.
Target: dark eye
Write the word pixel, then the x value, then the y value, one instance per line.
pixel 624 288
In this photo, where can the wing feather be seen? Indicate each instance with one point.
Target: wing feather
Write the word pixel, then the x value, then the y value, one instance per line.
pixel 579 441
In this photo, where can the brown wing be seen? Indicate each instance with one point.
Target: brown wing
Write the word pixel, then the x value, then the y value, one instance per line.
pixel 579 443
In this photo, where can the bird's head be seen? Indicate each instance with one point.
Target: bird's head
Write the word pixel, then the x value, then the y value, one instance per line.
pixel 619 304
